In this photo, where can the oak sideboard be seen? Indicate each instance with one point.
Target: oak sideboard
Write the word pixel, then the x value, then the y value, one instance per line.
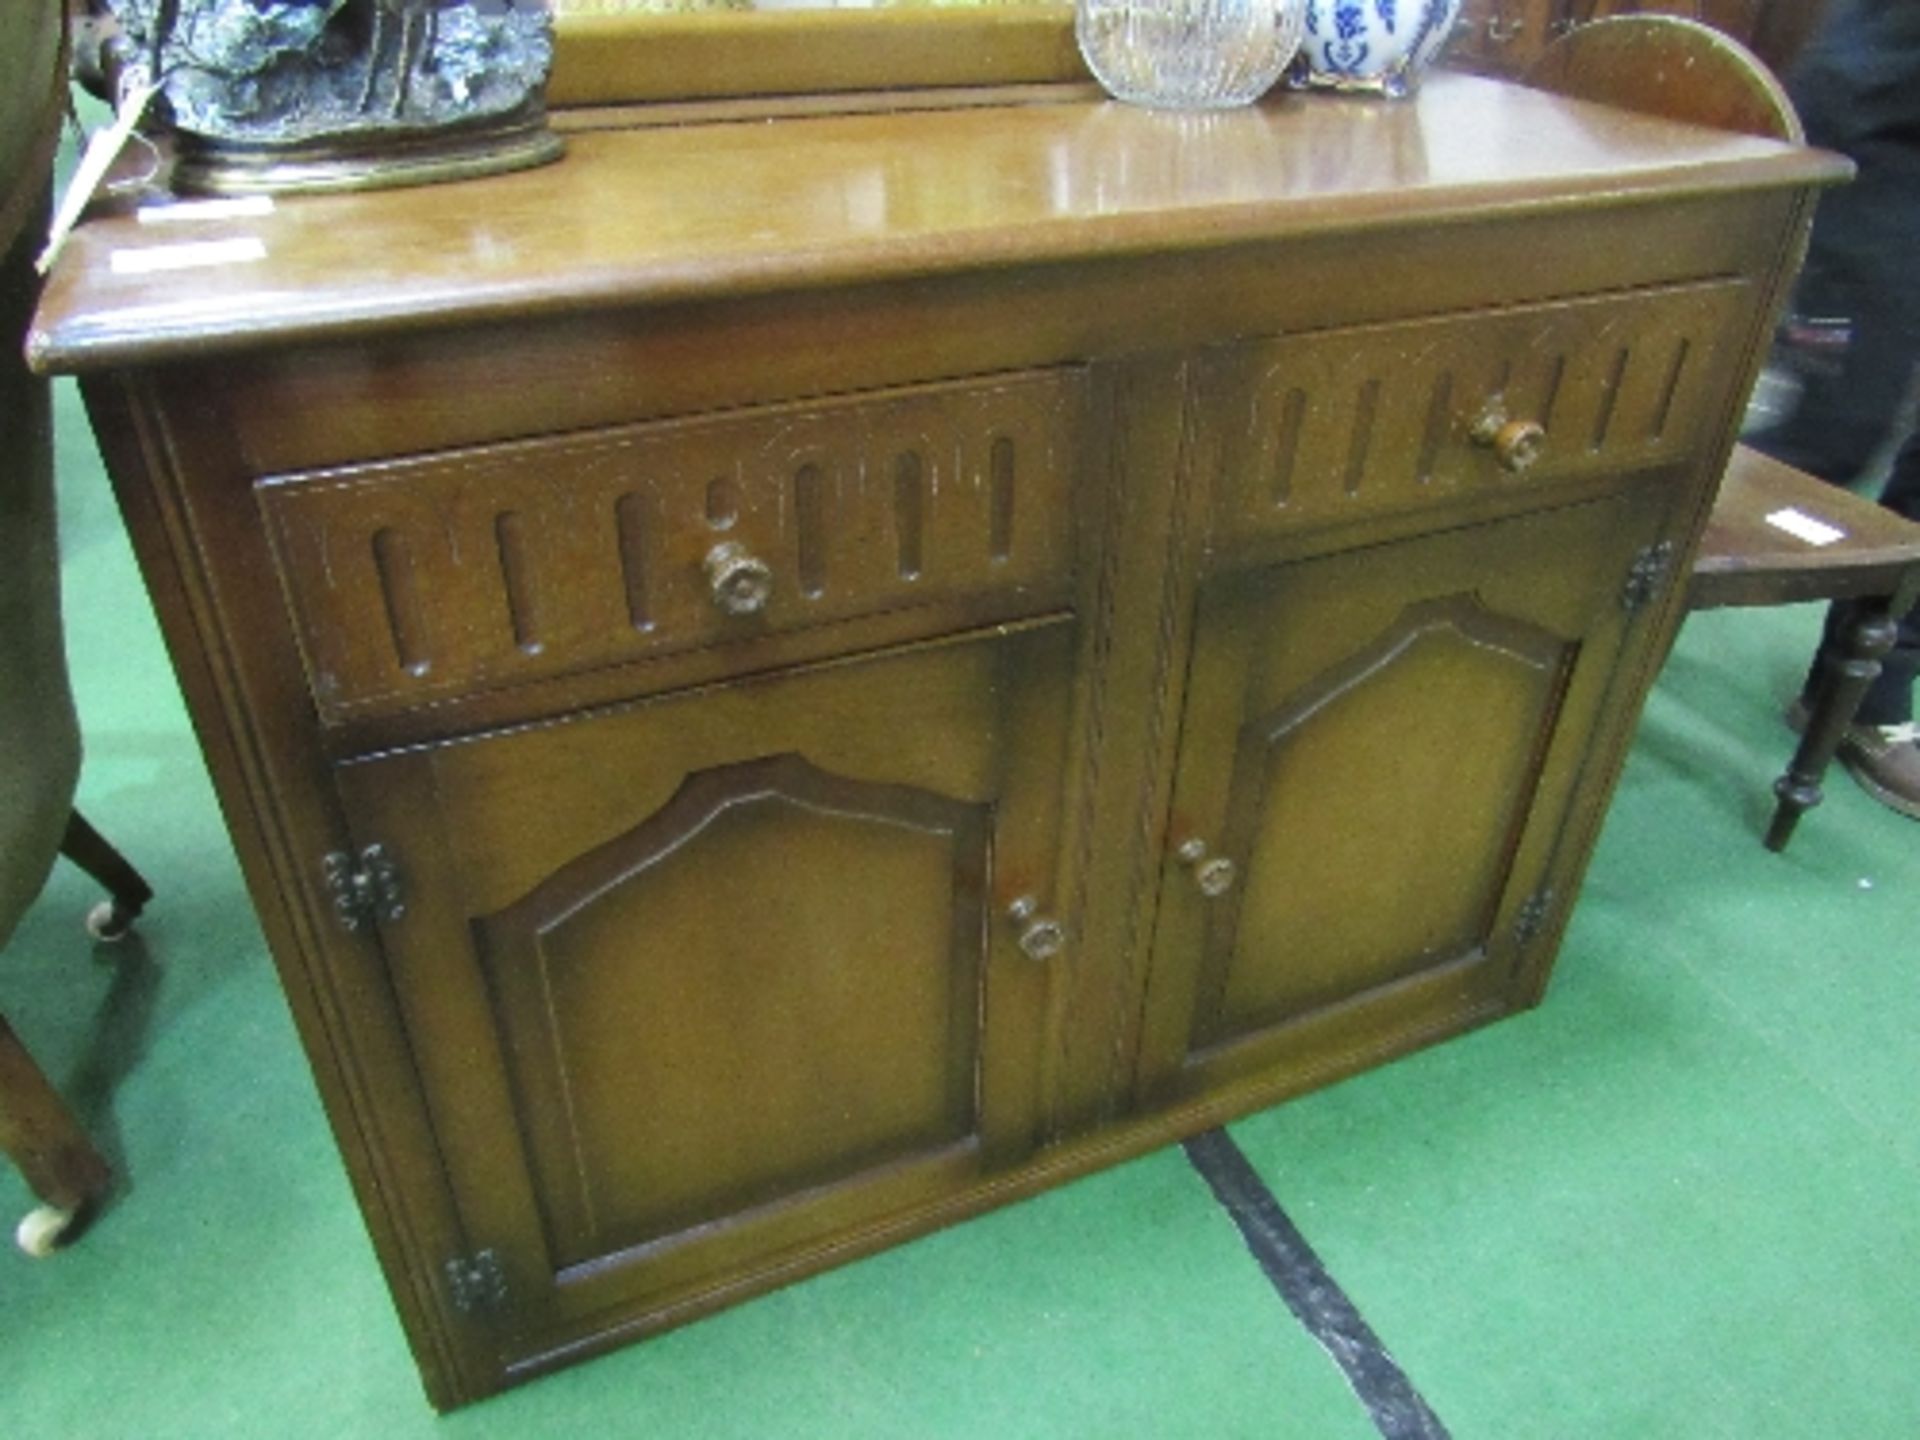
pixel 780 683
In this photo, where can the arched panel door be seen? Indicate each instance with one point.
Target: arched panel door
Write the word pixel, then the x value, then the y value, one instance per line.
pixel 1378 755
pixel 1445 712
pixel 662 1085
pixel 700 985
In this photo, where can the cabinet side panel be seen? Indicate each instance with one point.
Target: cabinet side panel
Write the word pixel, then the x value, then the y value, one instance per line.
pixel 1779 226
pixel 256 738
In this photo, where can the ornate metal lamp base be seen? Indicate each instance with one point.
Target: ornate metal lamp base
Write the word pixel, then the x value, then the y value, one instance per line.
pixel 204 166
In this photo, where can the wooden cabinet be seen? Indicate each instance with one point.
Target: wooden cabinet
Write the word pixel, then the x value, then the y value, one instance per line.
pixel 891 660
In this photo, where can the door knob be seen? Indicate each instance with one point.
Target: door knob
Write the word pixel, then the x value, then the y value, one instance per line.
pixel 1516 444
pixel 742 584
pixel 1214 874
pixel 1040 938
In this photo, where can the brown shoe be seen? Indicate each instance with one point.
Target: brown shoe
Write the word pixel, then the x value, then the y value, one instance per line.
pixel 1884 759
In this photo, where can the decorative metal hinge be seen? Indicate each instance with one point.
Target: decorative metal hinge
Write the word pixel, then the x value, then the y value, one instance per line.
pixel 1532 918
pixel 1646 575
pixel 477 1283
pixel 365 889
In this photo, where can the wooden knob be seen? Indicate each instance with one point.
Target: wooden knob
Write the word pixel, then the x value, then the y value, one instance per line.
pixel 1043 939
pixel 1516 444
pixel 1213 874
pixel 1040 938
pixel 742 584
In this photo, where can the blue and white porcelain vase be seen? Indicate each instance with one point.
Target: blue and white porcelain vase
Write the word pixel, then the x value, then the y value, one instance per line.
pixel 1380 46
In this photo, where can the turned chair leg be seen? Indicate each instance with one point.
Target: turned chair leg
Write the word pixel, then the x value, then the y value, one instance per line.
pixel 128 889
pixel 39 1134
pixel 1842 686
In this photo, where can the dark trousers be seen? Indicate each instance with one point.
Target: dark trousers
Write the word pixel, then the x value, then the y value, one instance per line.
pixel 1857 87
pixel 1889 700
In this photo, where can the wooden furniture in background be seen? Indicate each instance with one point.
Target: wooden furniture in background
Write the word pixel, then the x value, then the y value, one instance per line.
pixel 626 58
pixel 1748 558
pixel 1775 30
pixel 615 55
pixel 39 1134
pixel 1671 66
pixel 39 736
pixel 1507 37
pixel 778 685
pixel 38 1130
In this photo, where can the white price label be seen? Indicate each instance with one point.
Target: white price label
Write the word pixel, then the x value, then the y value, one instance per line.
pixel 1803 526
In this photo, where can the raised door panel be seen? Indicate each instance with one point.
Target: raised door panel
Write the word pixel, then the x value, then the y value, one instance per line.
pixel 1377 752
pixel 1294 771
pixel 805 910
pixel 699 985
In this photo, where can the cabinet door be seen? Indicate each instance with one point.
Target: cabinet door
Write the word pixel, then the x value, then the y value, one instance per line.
pixel 1378 750
pixel 698 986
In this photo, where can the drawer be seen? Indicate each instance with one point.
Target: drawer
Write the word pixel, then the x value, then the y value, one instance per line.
pixel 1322 427
pixel 447 574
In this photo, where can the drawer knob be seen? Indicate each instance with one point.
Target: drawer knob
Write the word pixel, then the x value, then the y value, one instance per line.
pixel 742 584
pixel 1516 444
pixel 1040 937
pixel 1214 874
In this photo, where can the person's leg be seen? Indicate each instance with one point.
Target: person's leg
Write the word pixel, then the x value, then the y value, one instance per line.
pixel 1889 699
pixel 1857 89
pixel 1856 275
pixel 1879 748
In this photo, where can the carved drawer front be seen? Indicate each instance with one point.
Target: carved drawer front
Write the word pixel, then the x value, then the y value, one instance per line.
pixel 455 573
pixel 1322 427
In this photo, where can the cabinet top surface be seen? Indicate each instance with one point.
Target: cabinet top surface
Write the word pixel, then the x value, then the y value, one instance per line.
pixel 657 215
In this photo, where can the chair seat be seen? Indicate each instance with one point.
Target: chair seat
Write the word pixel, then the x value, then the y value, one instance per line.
pixel 1779 536
pixel 1750 555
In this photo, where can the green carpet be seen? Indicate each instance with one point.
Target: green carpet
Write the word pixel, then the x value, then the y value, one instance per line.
pixel 1676 1201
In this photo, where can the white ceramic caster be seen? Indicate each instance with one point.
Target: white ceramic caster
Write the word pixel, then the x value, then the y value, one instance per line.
pixel 39 1235
pixel 108 924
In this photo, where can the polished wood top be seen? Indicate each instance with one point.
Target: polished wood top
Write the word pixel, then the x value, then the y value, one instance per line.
pixel 651 215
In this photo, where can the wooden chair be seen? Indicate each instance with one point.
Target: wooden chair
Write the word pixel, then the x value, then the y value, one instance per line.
pixel 1779 536
pixel 39 741
pixel 38 1131
pixel 1687 71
